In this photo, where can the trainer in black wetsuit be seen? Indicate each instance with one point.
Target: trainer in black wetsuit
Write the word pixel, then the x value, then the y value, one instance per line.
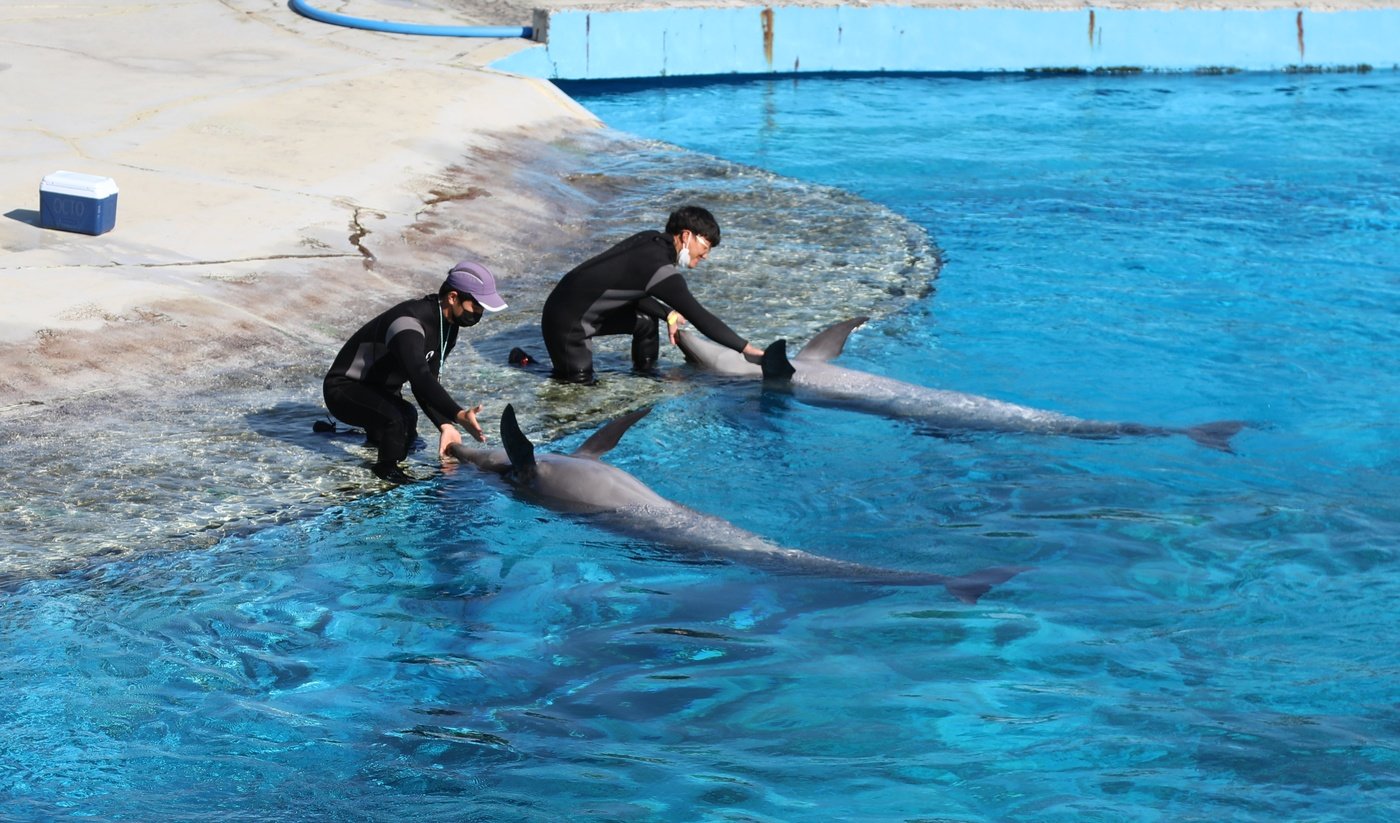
pixel 627 290
pixel 407 344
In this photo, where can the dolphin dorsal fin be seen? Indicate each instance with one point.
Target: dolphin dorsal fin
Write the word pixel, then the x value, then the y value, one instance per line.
pixel 776 365
pixel 518 447
pixel 602 441
pixel 830 341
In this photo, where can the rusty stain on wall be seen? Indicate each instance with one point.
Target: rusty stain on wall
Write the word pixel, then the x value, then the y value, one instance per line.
pixel 767 16
pixel 1091 28
pixel 1300 37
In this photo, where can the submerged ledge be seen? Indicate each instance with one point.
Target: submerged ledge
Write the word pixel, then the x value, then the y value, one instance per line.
pixel 609 44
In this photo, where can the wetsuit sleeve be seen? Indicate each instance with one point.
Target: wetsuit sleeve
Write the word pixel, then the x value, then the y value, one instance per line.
pixel 411 349
pixel 677 295
pixel 652 307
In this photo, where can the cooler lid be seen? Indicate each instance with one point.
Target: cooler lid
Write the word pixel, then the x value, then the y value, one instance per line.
pixel 79 185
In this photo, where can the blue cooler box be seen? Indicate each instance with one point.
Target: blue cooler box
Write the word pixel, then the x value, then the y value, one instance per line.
pixel 77 202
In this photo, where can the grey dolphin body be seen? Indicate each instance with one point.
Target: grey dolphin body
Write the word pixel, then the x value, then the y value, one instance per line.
pixel 581 483
pixel 811 378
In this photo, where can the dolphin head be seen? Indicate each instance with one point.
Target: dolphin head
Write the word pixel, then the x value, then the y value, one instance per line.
pixel 713 357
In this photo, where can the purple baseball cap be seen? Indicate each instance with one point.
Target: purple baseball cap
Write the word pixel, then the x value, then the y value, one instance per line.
pixel 478 281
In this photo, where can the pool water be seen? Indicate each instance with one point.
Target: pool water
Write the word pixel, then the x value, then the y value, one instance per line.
pixel 1202 635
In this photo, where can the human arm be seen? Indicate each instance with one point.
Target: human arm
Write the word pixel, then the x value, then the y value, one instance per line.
pixel 408 346
pixel 674 291
pixel 652 307
pixel 674 320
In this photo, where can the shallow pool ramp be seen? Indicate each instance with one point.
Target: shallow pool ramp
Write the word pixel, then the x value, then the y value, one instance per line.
pixel 666 40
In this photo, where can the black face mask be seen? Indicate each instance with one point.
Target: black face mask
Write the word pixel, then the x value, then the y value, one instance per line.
pixel 466 319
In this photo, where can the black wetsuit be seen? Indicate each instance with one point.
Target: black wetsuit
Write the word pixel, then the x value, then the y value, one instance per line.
pixel 625 290
pixel 364 387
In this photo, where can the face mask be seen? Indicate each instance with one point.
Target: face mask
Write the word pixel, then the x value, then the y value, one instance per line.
pixel 683 259
pixel 466 320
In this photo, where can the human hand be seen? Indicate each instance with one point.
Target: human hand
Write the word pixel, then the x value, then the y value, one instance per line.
pixel 472 426
pixel 673 322
pixel 447 437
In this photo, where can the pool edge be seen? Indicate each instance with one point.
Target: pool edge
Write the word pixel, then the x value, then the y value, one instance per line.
pixel 581 44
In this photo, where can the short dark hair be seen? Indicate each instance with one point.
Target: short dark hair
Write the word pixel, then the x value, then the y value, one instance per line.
pixel 446 289
pixel 694 220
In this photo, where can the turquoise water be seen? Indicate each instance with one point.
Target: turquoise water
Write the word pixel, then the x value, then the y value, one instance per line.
pixel 1203 636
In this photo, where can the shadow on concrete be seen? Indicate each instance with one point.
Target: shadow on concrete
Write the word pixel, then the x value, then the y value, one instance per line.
pixel 29 216
pixel 306 425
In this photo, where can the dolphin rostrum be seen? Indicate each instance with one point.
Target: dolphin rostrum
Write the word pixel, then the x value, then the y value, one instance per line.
pixel 580 483
pixel 812 378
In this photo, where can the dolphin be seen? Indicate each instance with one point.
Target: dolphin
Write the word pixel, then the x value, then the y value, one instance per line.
pixel 812 378
pixel 581 484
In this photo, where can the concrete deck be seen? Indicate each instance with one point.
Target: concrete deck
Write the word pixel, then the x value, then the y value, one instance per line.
pixel 261 157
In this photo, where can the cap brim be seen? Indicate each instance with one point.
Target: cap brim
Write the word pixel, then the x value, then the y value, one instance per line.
pixel 490 302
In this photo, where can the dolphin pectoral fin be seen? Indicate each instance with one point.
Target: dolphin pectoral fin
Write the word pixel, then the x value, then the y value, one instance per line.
pixel 1216 435
pixel 830 341
pixel 602 441
pixel 776 365
pixel 969 587
pixel 518 447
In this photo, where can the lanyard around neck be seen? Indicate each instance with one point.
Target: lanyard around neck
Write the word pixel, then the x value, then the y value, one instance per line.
pixel 442 336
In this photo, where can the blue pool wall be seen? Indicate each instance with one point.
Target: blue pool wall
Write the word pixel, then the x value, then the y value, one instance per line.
pixel 757 40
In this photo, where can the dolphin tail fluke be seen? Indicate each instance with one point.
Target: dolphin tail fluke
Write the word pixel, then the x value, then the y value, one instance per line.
pixel 1216 435
pixel 776 365
pixel 518 447
pixel 969 587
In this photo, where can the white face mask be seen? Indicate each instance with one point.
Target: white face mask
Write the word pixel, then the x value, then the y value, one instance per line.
pixel 683 259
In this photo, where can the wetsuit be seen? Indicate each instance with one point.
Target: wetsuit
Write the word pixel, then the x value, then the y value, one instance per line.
pixel 364 386
pixel 625 290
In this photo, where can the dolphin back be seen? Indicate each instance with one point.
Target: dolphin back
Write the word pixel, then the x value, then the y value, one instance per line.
pixel 602 441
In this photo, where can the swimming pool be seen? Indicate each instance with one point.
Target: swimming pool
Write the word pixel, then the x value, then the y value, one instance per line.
pixel 1203 635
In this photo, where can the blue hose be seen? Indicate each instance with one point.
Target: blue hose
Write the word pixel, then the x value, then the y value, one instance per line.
pixel 305 9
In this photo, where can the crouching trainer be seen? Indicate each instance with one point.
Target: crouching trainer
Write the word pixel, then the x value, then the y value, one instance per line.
pixel 630 289
pixel 408 344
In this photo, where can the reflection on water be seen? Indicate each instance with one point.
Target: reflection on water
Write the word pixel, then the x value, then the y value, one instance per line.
pixel 223 453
